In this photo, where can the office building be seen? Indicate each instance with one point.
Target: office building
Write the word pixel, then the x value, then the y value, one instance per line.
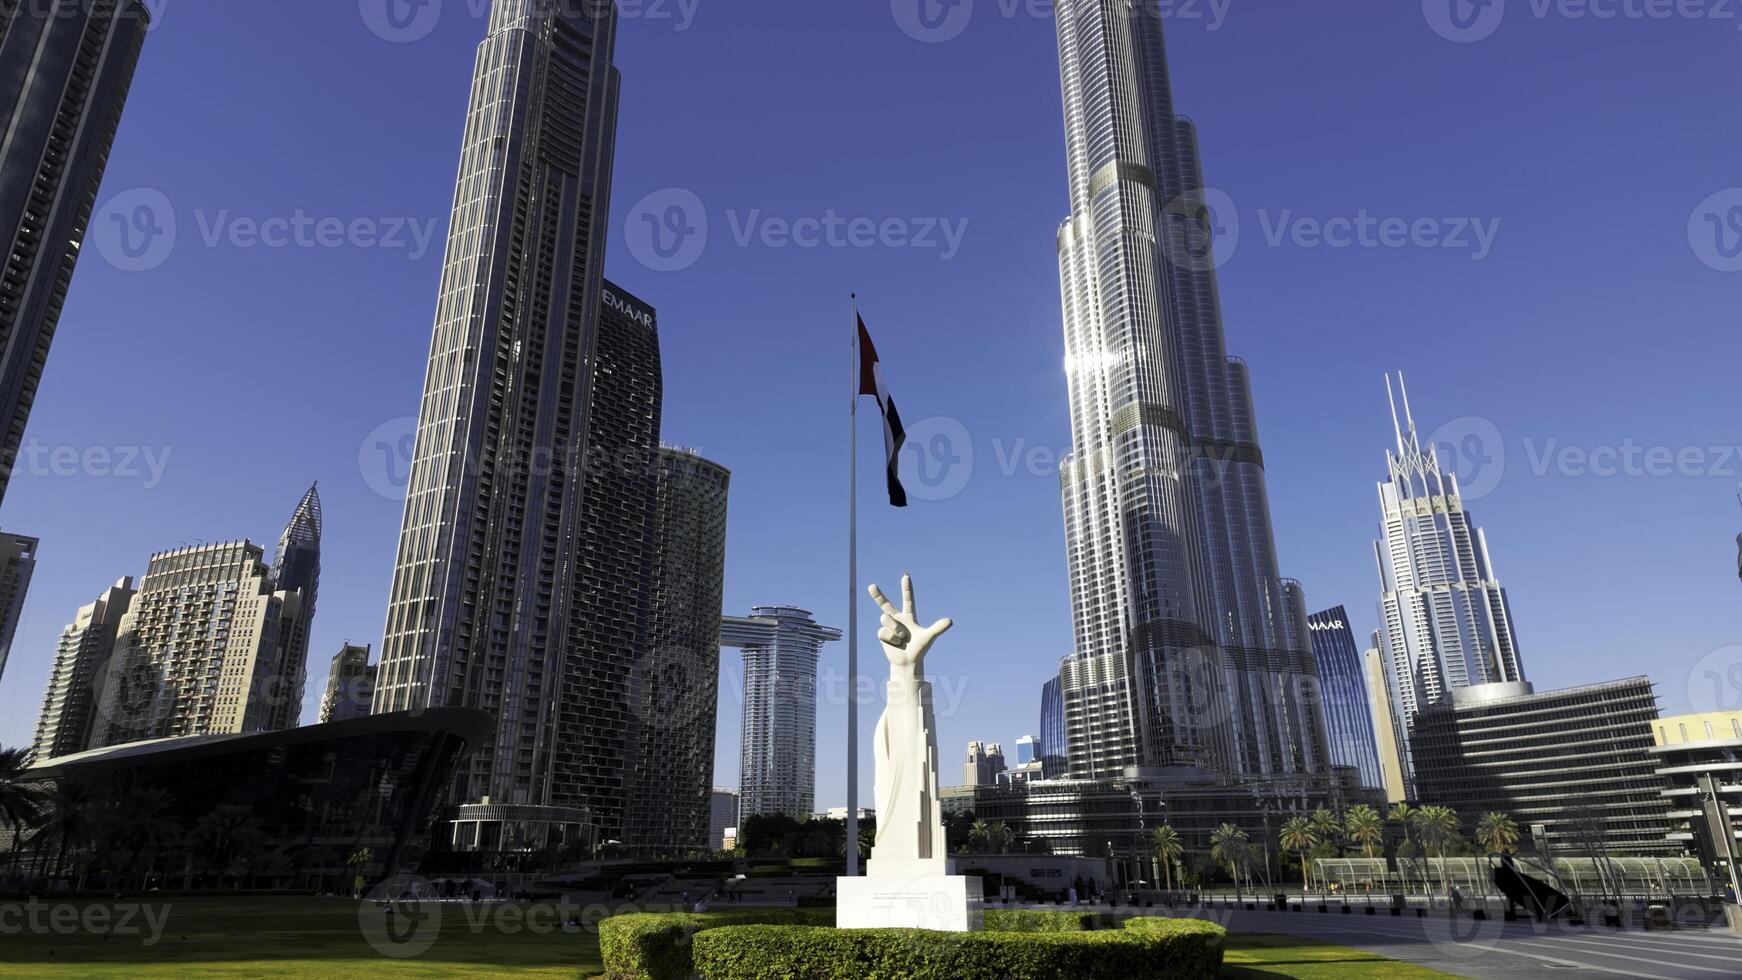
pixel 1055 751
pixel 1446 623
pixel 350 686
pixel 781 645
pixel 677 682
pixel 1576 763
pixel 1187 652
pixel 985 764
pixel 215 641
pixel 17 564
pixel 483 607
pixel 1343 691
pixel 68 65
pixel 1699 759
pixel 1027 750
pixel 1387 734
pixel 957 800
pixel 80 661
pixel 722 816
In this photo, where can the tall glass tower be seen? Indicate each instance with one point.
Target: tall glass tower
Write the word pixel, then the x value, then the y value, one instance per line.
pixel 1188 652
pixel 1348 712
pixel 482 610
pixel 1445 621
pixel 778 765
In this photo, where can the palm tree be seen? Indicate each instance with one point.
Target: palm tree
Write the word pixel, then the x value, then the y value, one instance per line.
pixel 1228 845
pixel 1498 833
pixel 1439 828
pixel 141 827
pixel 1363 826
pixel 1001 837
pixel 1300 836
pixel 74 814
pixel 227 837
pixel 1168 848
pixel 1326 826
pixel 980 837
pixel 21 803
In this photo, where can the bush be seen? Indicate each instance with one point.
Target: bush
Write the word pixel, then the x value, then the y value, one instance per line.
pixel 1022 920
pixel 650 946
pixel 1157 949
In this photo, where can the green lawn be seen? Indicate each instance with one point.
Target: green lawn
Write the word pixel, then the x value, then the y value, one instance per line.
pixel 1254 957
pixel 298 937
pixel 315 937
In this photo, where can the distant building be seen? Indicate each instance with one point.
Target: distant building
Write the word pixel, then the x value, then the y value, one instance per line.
pixel 722 816
pixel 81 659
pixel 69 65
pixel 782 645
pixel 350 686
pixel 17 564
pixel 1699 759
pixel 1348 713
pixel 1055 750
pixel 956 799
pixel 1027 749
pixel 984 765
pixel 1576 763
pixel 1387 735
pixel 215 641
pixel 1447 623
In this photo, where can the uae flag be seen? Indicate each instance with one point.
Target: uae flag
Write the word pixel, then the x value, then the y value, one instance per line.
pixel 894 436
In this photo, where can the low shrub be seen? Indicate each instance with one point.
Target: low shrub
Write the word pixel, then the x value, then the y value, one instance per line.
pixel 657 946
pixel 1023 920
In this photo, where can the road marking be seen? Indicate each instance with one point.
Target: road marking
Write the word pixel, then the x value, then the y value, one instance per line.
pixel 1657 962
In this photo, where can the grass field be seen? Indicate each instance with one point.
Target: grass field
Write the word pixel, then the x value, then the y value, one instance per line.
pixel 313 937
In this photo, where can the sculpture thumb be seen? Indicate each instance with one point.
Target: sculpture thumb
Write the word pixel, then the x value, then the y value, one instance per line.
pixel 942 626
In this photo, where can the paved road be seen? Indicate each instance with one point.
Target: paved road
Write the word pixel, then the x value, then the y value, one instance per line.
pixel 1498 950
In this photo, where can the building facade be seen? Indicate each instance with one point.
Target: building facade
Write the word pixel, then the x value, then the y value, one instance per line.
pixel 69 65
pixel 1445 622
pixel 984 765
pixel 1699 759
pixel 677 681
pixel 215 641
pixel 782 645
pixel 1387 734
pixel 1055 748
pixel 482 611
pixel 722 816
pixel 350 686
pixel 81 660
pixel 1187 652
pixel 17 565
pixel 1576 762
pixel 1343 687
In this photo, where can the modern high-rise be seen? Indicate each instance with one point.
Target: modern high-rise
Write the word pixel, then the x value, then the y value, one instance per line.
pixel 483 608
pixel 17 565
pixel 1699 759
pixel 1055 749
pixel 778 765
pixel 985 763
pixel 1188 654
pixel 216 640
pixel 1576 762
pixel 80 661
pixel 1445 622
pixel 722 816
pixel 1387 733
pixel 1027 750
pixel 68 65
pixel 350 685
pixel 677 682
pixel 1343 685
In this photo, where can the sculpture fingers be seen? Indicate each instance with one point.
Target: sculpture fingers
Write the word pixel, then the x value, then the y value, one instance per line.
pixel 907 604
pixel 882 600
pixel 941 627
pixel 894 638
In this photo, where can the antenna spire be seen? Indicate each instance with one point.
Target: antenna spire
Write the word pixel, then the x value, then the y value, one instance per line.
pixel 1396 426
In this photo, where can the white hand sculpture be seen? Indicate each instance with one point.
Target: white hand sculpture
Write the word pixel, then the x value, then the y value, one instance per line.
pixel 905 642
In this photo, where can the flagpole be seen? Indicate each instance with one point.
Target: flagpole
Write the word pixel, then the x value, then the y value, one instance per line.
pixel 853 610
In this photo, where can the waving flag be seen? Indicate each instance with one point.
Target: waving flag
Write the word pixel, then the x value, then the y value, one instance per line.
pixel 894 436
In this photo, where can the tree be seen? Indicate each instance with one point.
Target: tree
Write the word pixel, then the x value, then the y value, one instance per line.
pixel 229 838
pixel 1300 836
pixel 141 826
pixel 1168 848
pixel 764 834
pixel 21 803
pixel 74 815
pixel 1439 828
pixel 1327 826
pixel 1363 826
pixel 1498 833
pixel 1229 845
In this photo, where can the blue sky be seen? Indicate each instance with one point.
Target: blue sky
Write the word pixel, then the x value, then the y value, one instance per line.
pixel 1595 311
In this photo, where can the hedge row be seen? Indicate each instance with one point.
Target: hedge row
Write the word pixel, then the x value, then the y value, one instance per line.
pixel 753 945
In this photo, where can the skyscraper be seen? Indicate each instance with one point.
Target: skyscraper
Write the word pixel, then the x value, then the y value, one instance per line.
pixel 1348 715
pixel 722 816
pixel 350 685
pixel 17 565
pixel 1387 736
pixel 1186 652
pixel 483 606
pixel 81 659
pixel 215 641
pixel 69 65
pixel 1055 749
pixel 1445 621
pixel 677 679
pixel 778 767
pixel 985 763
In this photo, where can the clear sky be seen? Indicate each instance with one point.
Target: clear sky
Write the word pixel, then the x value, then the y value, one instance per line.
pixel 1600 155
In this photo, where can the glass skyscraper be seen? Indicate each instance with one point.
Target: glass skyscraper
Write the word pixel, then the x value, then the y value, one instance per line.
pixel 1055 748
pixel 69 65
pixel 1446 623
pixel 483 605
pixel 1348 717
pixel 778 766
pixel 1188 653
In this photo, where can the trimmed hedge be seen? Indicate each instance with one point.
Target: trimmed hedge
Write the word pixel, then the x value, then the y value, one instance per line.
pixel 801 944
pixel 1178 949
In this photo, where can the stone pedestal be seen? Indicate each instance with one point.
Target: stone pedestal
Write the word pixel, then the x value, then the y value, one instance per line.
pixel 939 902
